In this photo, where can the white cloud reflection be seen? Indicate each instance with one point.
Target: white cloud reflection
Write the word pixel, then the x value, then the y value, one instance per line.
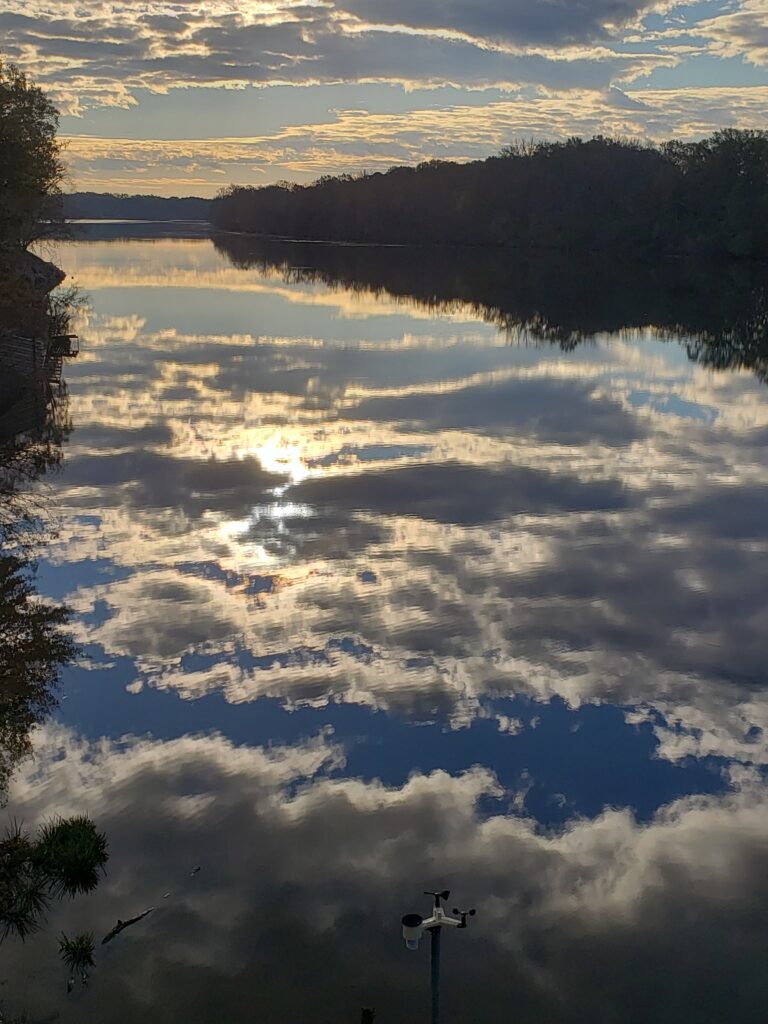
pixel 462 522
pixel 303 877
pixel 271 495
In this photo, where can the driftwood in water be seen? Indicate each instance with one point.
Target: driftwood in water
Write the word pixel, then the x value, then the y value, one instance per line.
pixel 121 925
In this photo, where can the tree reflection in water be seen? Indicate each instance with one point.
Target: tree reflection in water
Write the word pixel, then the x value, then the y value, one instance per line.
pixel 66 855
pixel 34 643
pixel 719 312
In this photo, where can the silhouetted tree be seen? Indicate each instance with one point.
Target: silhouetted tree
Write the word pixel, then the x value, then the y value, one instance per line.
pixel 33 648
pixel 34 642
pixel 31 170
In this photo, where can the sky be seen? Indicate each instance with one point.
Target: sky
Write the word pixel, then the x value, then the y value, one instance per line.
pixel 175 98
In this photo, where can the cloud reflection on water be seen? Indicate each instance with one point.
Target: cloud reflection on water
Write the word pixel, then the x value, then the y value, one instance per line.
pixel 303 878
pixel 573 556
pixel 541 571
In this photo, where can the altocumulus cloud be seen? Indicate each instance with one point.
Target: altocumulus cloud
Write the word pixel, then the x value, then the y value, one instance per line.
pixel 566 68
pixel 740 32
pixel 356 139
pixel 226 45
pixel 500 608
pixel 518 21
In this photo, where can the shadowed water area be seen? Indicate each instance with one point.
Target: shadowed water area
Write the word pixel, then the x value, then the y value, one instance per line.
pixel 396 569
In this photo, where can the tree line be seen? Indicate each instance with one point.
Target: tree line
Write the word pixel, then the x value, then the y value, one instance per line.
pixel 111 206
pixel 597 194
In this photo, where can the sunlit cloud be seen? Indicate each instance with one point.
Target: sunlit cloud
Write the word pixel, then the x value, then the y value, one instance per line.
pixel 226 46
pixel 578 69
pixel 739 31
pixel 358 140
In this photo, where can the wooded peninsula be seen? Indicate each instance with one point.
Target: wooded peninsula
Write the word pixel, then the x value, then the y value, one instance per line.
pixel 601 194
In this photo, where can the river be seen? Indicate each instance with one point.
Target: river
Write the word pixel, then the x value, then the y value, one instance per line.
pixel 396 570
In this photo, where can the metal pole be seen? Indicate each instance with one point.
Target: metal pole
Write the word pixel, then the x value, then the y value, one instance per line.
pixel 435 974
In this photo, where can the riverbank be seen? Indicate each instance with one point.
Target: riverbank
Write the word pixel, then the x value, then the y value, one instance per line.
pixel 26 281
pixel 26 327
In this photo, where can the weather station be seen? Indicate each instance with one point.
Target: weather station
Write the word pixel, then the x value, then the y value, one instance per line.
pixel 414 926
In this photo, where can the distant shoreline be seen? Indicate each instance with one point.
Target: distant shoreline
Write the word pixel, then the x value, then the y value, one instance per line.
pixel 133 220
pixel 101 206
pixel 599 195
pixel 534 252
pixel 644 256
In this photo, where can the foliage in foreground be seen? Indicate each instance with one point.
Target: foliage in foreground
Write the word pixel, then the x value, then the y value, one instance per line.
pixel 65 858
pixel 78 955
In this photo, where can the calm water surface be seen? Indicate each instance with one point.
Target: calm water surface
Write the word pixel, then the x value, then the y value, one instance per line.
pixel 398 570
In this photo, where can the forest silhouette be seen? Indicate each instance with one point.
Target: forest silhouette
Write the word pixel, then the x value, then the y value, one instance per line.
pixel 599 194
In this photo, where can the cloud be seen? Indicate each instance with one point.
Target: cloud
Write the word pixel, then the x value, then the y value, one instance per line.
pixel 452 493
pixel 152 480
pixel 739 32
pixel 567 68
pixel 409 575
pixel 299 865
pixel 104 57
pixel 355 140
pixel 521 404
pixel 159 615
pixel 518 21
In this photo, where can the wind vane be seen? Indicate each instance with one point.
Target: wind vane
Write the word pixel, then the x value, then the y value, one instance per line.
pixel 414 926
